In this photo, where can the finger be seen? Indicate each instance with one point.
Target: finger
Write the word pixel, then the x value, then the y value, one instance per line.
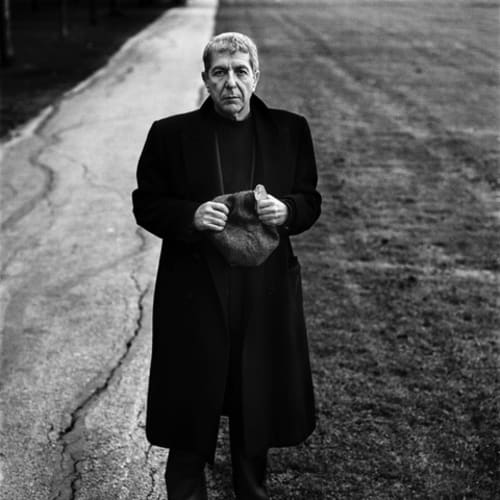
pixel 215 227
pixel 220 207
pixel 265 203
pixel 216 221
pixel 268 212
pixel 217 216
pixel 268 219
pixel 265 206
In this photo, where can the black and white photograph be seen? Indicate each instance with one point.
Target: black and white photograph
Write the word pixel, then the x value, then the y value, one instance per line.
pixel 250 250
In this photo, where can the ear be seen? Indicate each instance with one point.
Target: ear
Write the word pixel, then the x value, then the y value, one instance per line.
pixel 204 77
pixel 256 77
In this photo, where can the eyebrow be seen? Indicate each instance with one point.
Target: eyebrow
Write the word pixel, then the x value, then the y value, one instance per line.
pixel 225 67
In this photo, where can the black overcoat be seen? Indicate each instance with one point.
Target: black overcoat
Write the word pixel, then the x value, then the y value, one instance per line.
pixel 178 171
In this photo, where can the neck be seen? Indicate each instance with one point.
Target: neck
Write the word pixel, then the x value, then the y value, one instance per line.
pixel 239 116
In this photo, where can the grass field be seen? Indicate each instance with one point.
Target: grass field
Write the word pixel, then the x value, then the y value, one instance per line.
pixel 401 272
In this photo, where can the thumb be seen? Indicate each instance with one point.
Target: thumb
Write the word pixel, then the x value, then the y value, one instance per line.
pixel 260 192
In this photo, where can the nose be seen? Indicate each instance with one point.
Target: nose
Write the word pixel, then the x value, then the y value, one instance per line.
pixel 230 81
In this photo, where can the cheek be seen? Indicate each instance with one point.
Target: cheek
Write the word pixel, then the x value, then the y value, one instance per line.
pixel 245 87
pixel 214 89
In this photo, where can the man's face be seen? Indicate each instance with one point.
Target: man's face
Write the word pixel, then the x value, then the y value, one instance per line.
pixel 231 82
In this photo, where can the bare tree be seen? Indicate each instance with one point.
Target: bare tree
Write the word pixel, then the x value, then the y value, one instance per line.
pixel 6 46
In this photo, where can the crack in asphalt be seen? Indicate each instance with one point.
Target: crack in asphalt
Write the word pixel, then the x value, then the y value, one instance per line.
pixel 140 423
pixel 46 188
pixel 34 160
pixel 143 240
pixel 87 173
pixel 73 436
pixel 87 176
pixel 7 185
pixel 49 433
pixel 49 174
pixel 152 473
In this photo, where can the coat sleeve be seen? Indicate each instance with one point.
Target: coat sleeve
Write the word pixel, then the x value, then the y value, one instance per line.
pixel 304 202
pixel 156 204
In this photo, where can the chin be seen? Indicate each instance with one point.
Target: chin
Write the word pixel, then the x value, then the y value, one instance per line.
pixel 232 110
pixel 232 106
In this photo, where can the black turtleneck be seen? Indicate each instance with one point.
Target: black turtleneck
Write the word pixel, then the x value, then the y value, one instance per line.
pixel 236 149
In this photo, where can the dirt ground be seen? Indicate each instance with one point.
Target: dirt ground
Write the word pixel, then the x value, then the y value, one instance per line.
pixel 401 272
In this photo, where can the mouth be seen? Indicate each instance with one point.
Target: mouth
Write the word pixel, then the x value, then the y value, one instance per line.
pixel 230 98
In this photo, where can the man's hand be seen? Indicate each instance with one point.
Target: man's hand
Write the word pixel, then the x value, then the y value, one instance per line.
pixel 272 211
pixel 211 216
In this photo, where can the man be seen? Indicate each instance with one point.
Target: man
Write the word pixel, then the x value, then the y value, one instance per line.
pixel 227 339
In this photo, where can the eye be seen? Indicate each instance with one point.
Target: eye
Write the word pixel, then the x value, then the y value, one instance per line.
pixel 242 71
pixel 218 73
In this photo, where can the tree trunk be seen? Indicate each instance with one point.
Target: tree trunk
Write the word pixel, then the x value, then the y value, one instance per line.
pixel 6 46
pixel 92 12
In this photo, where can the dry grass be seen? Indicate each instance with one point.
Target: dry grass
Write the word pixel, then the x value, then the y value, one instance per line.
pixel 401 272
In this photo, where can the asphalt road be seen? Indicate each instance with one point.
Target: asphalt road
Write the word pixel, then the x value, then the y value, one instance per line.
pixel 400 273
pixel 77 275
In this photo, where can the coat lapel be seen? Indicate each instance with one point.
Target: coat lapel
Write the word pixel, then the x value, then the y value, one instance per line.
pixel 200 153
pixel 267 168
pixel 204 183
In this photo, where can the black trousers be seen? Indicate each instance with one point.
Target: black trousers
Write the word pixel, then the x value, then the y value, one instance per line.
pixel 185 474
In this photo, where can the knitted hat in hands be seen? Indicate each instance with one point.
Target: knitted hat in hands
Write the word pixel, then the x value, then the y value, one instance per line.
pixel 245 240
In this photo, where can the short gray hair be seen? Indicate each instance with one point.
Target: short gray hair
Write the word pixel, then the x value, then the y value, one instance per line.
pixel 231 42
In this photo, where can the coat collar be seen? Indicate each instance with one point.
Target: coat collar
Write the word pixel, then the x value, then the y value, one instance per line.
pixel 267 169
pixel 201 154
pixel 257 105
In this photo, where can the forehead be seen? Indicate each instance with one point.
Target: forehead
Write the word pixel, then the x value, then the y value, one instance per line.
pixel 227 59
